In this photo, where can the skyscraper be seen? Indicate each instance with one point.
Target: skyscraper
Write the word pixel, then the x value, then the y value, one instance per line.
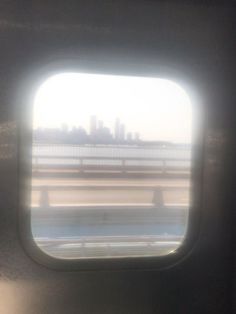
pixel 122 132
pixel 100 124
pixel 129 136
pixel 137 136
pixel 93 124
pixel 117 129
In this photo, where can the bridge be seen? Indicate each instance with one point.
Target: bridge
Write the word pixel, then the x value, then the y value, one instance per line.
pixel 61 166
pixel 106 206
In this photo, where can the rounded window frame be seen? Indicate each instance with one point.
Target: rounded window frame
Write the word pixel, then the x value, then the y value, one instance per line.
pixel 26 94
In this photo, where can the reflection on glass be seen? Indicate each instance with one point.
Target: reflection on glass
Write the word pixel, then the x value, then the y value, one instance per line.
pixel 111 162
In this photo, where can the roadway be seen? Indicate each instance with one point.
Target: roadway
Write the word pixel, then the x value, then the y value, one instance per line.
pixel 86 218
pixel 109 191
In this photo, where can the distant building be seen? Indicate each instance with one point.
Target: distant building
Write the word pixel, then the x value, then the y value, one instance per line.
pixel 129 136
pixel 122 132
pixel 136 136
pixel 117 129
pixel 102 136
pixel 93 124
pixel 64 128
pixel 100 124
pixel 98 134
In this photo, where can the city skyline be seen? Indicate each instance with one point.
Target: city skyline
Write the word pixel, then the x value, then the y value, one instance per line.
pixel 158 109
pixel 98 133
pixel 118 132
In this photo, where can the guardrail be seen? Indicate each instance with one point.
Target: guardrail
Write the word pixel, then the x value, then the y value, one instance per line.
pixel 157 200
pixel 86 164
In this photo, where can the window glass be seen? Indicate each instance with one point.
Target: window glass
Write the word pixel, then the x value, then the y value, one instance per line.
pixel 111 166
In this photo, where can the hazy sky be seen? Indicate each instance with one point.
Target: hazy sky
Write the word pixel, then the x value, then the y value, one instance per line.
pixel 156 108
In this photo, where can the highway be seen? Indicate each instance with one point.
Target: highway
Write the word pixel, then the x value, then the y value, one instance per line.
pixel 102 217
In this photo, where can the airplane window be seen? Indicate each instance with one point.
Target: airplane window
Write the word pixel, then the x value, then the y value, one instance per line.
pixel 111 166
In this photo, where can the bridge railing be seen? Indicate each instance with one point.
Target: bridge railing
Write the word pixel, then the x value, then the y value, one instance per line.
pixel 157 199
pixel 106 164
